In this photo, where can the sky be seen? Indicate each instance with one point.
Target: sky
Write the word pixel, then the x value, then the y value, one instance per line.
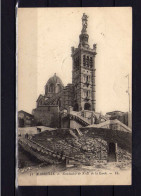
pixel 44 40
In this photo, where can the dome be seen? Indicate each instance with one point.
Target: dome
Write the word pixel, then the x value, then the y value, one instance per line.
pixel 55 79
pixel 53 85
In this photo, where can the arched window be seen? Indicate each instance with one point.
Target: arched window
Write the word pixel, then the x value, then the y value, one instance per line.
pixel 58 88
pixel 75 107
pixel 51 88
pixel 87 106
pixel 87 61
pixel 91 62
pixel 84 60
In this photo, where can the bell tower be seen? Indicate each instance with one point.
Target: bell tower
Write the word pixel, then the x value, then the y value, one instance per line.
pixel 83 71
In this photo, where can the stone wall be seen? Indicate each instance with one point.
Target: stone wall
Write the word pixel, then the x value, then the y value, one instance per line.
pixel 87 147
pixel 47 115
pixel 122 138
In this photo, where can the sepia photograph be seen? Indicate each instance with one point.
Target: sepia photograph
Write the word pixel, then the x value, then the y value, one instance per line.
pixel 74 96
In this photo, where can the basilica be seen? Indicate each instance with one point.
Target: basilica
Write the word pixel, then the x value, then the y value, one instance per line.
pixel 77 97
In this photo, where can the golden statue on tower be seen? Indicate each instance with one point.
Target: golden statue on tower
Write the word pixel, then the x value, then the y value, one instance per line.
pixel 84 22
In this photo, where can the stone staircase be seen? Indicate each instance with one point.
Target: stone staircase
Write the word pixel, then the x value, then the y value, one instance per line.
pixel 76 117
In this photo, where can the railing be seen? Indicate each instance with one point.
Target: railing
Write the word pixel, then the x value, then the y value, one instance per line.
pixel 78 115
pixel 79 120
pixel 112 122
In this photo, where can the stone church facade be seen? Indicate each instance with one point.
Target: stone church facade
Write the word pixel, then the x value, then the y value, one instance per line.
pixel 80 95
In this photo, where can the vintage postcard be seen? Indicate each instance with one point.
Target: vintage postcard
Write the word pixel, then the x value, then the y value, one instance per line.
pixel 74 111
